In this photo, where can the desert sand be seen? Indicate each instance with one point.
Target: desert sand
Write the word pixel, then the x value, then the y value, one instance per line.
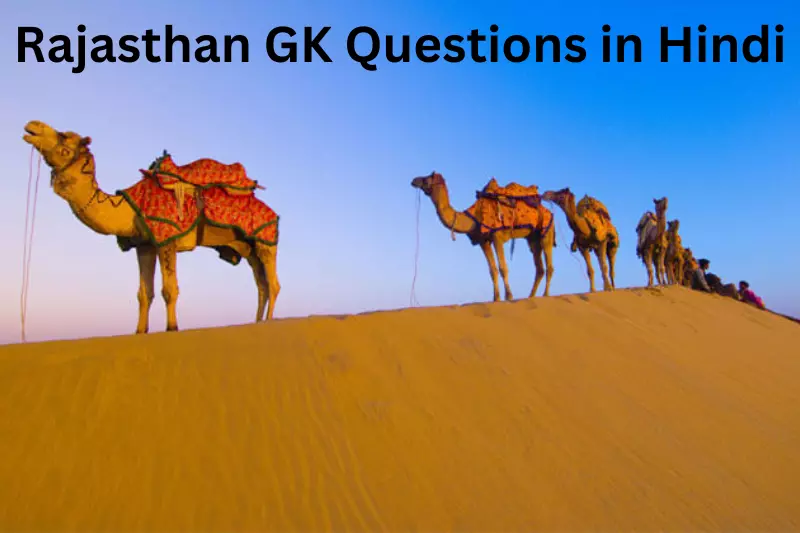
pixel 637 410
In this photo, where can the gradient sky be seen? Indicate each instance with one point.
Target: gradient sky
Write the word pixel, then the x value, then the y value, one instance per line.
pixel 336 146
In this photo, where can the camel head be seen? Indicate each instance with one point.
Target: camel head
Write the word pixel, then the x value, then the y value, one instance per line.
pixel 428 183
pixel 60 150
pixel 688 258
pixel 560 197
pixel 661 205
pixel 673 225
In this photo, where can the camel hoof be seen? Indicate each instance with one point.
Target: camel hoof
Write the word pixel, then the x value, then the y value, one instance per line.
pixel 141 331
pixel 172 328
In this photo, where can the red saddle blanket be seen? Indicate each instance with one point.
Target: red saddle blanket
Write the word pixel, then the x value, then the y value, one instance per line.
pixel 170 200
pixel 203 173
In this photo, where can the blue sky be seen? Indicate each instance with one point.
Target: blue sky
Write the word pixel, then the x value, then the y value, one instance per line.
pixel 336 146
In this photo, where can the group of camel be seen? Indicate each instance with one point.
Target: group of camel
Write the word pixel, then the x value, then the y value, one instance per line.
pixel 659 243
pixel 73 179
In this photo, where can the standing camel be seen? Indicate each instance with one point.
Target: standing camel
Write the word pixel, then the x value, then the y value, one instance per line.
pixel 689 266
pixel 593 231
pixel 73 179
pixel 534 223
pixel 675 255
pixel 652 243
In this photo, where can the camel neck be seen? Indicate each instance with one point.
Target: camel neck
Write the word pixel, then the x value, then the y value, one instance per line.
pixel 454 220
pixel 661 223
pixel 576 223
pixel 103 213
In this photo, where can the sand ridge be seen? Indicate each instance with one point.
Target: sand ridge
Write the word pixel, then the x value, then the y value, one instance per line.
pixel 637 410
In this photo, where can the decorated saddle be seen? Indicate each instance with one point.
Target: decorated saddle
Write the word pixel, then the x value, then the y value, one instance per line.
pixel 513 206
pixel 588 206
pixel 510 193
pixel 202 173
pixel 596 216
pixel 170 199
pixel 647 229
pixel 648 218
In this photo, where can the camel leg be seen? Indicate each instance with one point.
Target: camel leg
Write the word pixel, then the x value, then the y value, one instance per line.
pixel 261 284
pixel 167 256
pixel 146 256
pixel 589 270
pixel 611 253
pixel 600 253
pixel 668 271
pixel 538 247
pixel 548 241
pixel 486 246
pixel 501 259
pixel 654 263
pixel 538 265
pixel 660 266
pixel 678 270
pixel 647 259
pixel 268 255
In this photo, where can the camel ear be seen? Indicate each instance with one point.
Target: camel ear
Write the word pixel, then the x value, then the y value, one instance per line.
pixel 86 141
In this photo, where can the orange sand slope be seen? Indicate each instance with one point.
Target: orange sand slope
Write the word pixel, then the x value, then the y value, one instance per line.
pixel 636 410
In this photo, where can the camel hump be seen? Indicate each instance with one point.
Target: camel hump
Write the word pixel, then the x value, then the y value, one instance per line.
pixel 589 203
pixel 202 173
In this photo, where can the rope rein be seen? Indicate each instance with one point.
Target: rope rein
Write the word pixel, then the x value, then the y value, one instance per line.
pixel 27 242
pixel 30 216
pixel 413 296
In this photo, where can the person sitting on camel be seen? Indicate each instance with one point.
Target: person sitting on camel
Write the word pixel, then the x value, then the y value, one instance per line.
pixel 748 296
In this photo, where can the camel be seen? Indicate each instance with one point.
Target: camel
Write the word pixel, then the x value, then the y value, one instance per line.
pixel 652 243
pixel 73 179
pixel 675 254
pixel 592 231
pixel 689 266
pixel 540 238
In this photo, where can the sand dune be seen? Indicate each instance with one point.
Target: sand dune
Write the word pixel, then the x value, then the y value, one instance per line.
pixel 637 410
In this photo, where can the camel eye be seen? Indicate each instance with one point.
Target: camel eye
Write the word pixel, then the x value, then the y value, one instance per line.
pixel 65 152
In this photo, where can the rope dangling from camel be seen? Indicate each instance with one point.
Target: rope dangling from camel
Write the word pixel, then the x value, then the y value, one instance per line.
pixel 412 300
pixel 27 241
